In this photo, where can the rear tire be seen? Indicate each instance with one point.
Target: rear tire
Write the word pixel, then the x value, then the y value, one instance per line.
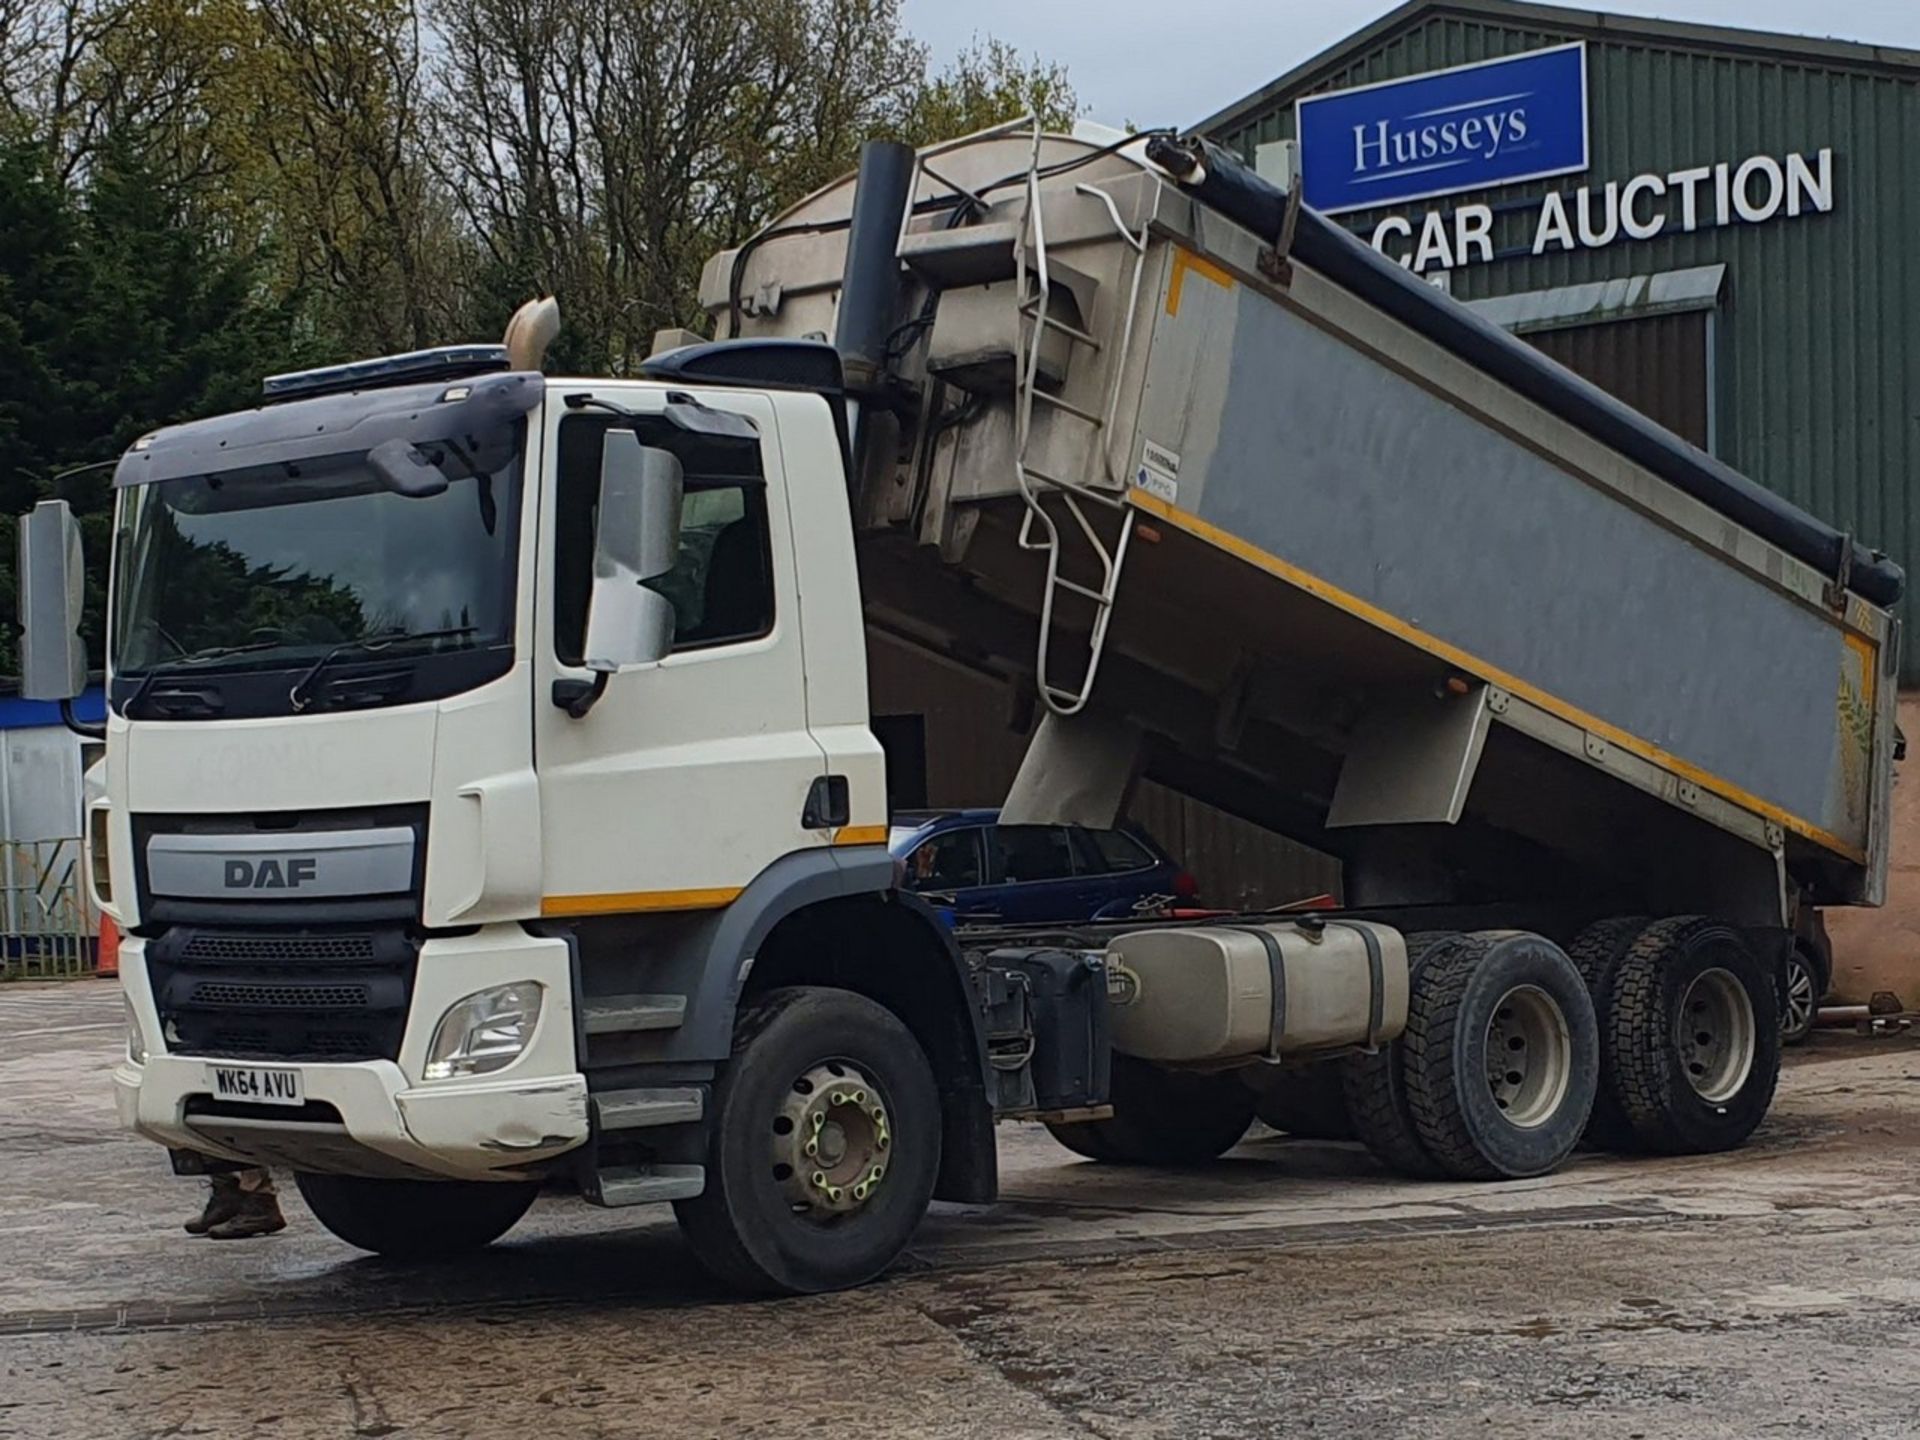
pixel 775 1221
pixel 1307 1102
pixel 1502 1056
pixel 415 1219
pixel 1596 953
pixel 1695 1037
pixel 1162 1117
pixel 1375 1085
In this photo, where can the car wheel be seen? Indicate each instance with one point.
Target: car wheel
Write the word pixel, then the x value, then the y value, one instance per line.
pixel 1800 998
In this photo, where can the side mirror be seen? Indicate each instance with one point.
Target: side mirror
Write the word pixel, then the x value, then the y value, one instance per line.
pixel 53 658
pixel 636 538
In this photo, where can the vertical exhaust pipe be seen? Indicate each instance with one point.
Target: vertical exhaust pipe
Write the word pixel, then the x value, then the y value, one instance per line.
pixel 870 285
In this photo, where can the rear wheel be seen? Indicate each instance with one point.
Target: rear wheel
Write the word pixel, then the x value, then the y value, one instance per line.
pixel 1596 953
pixel 415 1219
pixel 1695 1037
pixel 824 1146
pixel 1162 1117
pixel 1502 1056
pixel 1375 1085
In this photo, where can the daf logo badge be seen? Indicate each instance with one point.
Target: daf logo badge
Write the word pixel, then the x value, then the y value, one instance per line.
pixel 288 873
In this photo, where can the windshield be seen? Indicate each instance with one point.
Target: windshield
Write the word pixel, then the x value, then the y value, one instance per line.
pixel 275 566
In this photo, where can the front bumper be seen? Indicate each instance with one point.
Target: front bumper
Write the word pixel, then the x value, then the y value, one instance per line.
pixel 390 1121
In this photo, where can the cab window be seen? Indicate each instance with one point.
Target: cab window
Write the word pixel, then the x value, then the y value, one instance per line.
pixel 722 588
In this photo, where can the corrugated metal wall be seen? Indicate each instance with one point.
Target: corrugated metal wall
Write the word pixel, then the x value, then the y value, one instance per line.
pixel 1657 364
pixel 1820 327
pixel 972 752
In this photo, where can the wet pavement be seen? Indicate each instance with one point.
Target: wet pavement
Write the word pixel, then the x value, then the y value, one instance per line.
pixel 1292 1289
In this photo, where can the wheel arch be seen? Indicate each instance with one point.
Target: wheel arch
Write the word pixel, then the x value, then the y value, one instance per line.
pixel 823 916
pixel 892 948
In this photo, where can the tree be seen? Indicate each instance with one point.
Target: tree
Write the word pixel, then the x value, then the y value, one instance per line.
pixel 989 83
pixel 196 192
pixel 115 318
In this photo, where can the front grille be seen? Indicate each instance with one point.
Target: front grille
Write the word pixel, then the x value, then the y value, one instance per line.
pixel 292 995
pixel 229 994
pixel 211 947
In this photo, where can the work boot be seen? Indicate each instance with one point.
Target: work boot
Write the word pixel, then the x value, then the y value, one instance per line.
pixel 223 1204
pixel 258 1214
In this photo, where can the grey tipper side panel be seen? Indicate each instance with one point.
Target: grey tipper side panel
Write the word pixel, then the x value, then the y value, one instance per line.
pixel 313 864
pixel 1304 446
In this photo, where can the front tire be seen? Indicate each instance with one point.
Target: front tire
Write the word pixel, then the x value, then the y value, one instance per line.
pixel 410 1220
pixel 824 1146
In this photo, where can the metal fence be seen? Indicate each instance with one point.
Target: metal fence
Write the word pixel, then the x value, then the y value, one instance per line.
pixel 49 928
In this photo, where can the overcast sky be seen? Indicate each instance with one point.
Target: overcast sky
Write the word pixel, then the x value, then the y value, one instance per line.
pixel 1161 62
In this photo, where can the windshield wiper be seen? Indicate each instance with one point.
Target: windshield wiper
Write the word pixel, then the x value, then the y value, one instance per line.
pixel 187 661
pixel 301 696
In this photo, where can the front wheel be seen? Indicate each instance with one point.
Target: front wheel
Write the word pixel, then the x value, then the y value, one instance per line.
pixel 415 1219
pixel 824 1146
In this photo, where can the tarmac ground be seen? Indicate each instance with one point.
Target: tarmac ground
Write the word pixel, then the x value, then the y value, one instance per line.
pixel 1291 1289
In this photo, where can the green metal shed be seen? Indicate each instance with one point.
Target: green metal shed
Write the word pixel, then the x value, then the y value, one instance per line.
pixel 1736 256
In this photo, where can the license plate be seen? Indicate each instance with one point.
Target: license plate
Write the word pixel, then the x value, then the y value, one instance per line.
pixel 256 1085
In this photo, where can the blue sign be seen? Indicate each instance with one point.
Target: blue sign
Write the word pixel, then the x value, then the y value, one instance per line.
pixel 1495 123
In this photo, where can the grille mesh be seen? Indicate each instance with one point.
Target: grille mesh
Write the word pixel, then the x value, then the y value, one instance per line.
pixel 208 948
pixel 234 994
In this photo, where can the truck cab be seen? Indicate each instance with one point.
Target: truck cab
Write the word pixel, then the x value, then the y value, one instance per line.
pixel 460 721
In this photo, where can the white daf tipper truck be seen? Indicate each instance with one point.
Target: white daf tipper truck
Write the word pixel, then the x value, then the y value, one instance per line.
pixel 490 800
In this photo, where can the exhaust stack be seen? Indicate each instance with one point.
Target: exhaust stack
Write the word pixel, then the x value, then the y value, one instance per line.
pixel 870 284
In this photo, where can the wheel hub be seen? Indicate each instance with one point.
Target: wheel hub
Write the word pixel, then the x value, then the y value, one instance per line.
pixel 1529 1056
pixel 832 1137
pixel 1713 1033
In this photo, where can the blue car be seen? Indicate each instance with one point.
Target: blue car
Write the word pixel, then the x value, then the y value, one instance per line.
pixel 983 872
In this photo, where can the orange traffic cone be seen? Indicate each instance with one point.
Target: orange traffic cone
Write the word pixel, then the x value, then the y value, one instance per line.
pixel 108 955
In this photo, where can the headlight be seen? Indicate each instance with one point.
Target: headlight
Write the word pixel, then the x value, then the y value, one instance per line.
pixel 485 1032
pixel 136 1042
pixel 97 853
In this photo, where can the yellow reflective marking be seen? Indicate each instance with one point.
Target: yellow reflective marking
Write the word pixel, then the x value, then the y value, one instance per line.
pixel 629 902
pixel 1185 260
pixel 1373 615
pixel 861 835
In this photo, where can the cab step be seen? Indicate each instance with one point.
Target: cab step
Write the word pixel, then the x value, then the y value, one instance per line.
pixel 622 1014
pixel 647 1184
pixel 639 1109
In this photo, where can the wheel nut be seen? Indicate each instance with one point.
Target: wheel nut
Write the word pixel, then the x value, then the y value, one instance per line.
pixel 860 1191
pixel 820 1179
pixel 811 1148
pixel 834 1192
pixel 859 1097
pixel 838 1097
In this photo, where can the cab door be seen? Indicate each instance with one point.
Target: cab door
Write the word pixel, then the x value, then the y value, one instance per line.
pixel 689 775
